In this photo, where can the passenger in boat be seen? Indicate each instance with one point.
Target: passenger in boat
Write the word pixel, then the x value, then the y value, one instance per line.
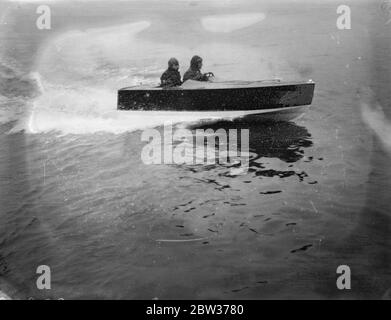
pixel 194 72
pixel 171 77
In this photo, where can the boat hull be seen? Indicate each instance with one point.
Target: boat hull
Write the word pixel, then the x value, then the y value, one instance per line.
pixel 253 96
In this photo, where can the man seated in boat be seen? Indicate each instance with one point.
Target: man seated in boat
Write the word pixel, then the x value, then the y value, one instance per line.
pixel 171 77
pixel 194 72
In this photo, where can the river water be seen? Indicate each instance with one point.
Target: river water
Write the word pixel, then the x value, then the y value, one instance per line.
pixel 76 196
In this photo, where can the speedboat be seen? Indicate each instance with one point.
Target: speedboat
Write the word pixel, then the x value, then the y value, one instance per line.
pixel 270 99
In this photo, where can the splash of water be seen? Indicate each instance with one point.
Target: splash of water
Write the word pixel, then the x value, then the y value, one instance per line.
pixel 231 22
pixel 79 83
pixel 373 115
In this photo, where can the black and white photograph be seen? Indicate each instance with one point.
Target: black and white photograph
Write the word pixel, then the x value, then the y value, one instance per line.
pixel 195 150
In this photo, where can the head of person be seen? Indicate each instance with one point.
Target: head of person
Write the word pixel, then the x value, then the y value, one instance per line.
pixel 196 63
pixel 173 64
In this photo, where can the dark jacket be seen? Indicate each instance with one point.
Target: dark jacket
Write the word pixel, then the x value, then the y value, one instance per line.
pixel 170 78
pixel 196 75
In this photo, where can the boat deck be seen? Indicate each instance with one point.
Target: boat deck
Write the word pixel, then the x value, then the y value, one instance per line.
pixel 217 96
pixel 200 85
